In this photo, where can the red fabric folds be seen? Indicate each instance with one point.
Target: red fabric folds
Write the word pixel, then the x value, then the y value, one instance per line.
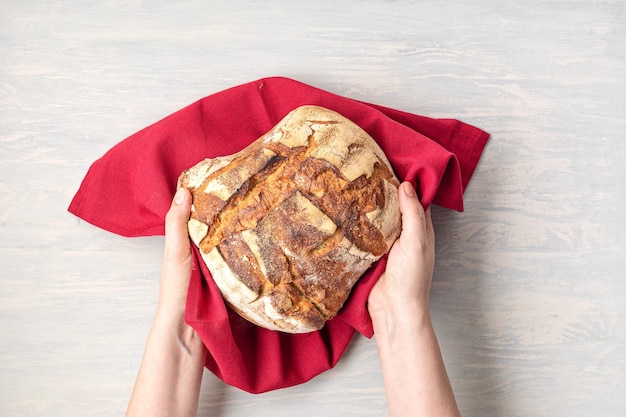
pixel 129 190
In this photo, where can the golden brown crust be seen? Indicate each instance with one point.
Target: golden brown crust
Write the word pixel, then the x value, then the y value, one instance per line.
pixel 288 225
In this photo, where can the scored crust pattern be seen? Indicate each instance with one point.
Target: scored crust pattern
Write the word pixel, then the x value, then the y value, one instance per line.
pixel 289 224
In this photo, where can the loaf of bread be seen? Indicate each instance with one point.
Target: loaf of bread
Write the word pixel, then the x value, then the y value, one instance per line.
pixel 289 224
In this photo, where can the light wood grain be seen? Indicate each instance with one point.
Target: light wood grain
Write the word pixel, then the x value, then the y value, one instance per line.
pixel 529 295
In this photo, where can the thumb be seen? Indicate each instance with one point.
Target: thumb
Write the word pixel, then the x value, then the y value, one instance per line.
pixel 176 234
pixel 413 216
pixel 176 266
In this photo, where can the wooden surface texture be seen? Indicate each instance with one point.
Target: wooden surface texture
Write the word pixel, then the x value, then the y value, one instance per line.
pixel 529 293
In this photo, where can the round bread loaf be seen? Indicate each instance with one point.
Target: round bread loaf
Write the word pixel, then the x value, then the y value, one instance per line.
pixel 289 224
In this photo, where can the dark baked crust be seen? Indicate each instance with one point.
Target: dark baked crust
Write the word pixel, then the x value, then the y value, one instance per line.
pixel 289 224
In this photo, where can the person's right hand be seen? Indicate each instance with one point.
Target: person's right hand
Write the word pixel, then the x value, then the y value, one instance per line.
pixel 403 289
pixel 415 376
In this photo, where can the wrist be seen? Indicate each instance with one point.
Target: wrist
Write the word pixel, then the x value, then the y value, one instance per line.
pixel 397 309
pixel 396 320
pixel 171 313
pixel 172 329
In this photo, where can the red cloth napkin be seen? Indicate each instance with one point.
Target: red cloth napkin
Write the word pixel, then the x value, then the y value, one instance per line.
pixel 129 190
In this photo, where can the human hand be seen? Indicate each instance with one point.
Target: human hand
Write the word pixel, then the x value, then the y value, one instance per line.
pixel 170 375
pixel 402 292
pixel 416 381
pixel 176 267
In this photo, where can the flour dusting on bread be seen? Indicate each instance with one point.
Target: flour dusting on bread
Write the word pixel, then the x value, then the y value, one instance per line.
pixel 289 224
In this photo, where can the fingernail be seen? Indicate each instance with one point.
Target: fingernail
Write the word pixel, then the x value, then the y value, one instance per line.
pixel 179 198
pixel 409 191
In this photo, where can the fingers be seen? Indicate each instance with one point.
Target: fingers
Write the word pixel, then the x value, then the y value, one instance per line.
pixel 176 267
pixel 430 231
pixel 176 234
pixel 415 222
pixel 405 285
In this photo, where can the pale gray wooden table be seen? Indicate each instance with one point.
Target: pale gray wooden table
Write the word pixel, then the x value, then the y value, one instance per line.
pixel 529 294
